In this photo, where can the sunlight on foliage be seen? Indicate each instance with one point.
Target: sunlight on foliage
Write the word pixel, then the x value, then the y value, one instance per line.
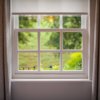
pixel 74 62
pixel 49 22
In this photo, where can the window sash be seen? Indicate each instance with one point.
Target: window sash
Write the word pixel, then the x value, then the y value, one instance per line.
pixel 84 51
pixel 84 19
pixel 64 50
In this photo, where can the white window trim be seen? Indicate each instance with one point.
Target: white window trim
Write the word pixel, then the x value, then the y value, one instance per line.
pixel 83 74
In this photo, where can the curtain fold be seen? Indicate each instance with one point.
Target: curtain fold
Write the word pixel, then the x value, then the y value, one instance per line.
pixel 5 87
pixel 96 57
pixel 2 76
pixel 98 67
pixel 7 49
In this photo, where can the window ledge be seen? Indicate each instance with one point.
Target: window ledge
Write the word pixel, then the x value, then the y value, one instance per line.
pixel 56 80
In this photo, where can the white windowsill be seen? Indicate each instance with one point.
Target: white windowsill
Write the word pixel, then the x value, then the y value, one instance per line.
pixel 68 80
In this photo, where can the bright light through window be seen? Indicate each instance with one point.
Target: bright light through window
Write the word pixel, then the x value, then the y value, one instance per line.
pixel 50 43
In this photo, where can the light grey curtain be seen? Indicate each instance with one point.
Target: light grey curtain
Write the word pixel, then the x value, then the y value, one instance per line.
pixel 96 61
pixel 7 49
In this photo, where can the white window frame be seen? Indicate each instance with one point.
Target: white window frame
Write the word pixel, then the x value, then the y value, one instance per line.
pixel 79 74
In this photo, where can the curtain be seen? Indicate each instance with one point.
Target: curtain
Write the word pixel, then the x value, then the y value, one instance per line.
pixel 2 78
pixel 5 86
pixel 96 57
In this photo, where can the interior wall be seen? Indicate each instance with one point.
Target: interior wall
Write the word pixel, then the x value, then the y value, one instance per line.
pixel 47 90
pixel 51 90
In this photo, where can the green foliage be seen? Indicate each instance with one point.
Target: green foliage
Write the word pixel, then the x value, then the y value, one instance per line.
pixel 54 40
pixel 71 40
pixel 26 22
pixel 27 61
pixel 23 37
pixel 50 22
pixel 27 40
pixel 49 61
pixel 74 62
pixel 71 21
pixel 55 67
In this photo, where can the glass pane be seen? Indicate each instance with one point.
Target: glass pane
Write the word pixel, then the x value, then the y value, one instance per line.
pixel 72 61
pixel 49 40
pixel 28 21
pixel 72 40
pixel 27 40
pixel 49 61
pixel 49 22
pixel 71 21
pixel 27 61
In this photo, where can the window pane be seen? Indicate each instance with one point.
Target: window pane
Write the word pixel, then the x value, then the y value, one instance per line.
pixel 72 61
pixel 27 61
pixel 49 22
pixel 49 40
pixel 27 40
pixel 71 21
pixel 72 40
pixel 49 61
pixel 27 21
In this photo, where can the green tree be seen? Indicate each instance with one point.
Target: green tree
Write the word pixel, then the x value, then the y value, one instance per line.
pixel 71 40
pixel 26 22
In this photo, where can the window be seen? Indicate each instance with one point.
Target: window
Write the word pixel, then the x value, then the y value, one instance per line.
pixel 50 43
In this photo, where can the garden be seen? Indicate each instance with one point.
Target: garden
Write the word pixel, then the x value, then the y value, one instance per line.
pixel 48 41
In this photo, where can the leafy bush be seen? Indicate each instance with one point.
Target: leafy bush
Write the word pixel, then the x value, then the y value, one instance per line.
pixel 75 62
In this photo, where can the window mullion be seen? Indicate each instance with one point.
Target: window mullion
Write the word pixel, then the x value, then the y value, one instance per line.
pixel 38 43
pixel 85 51
pixel 61 22
pixel 61 49
pixel 16 22
pixel 61 41
pixel 15 53
pixel 38 50
pixel 39 18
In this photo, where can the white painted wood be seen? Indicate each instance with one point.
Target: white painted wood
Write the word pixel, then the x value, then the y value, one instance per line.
pixel 39 51
pixel 49 30
pixel 65 50
pixel 42 74
pixel 50 13
pixel 49 5
pixel 85 52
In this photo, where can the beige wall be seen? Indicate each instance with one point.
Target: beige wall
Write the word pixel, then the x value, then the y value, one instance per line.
pixel 1 52
pixel 51 90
